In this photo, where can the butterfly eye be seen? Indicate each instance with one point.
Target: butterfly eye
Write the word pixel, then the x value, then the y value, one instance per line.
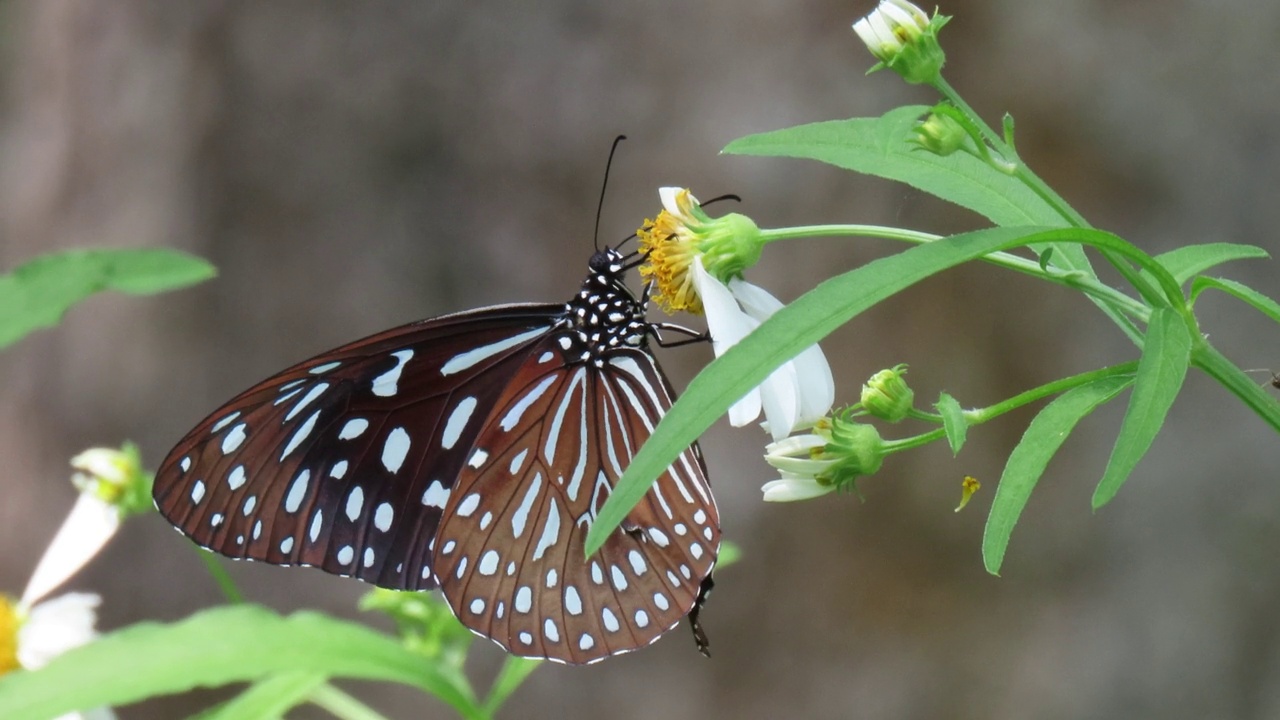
pixel 472 453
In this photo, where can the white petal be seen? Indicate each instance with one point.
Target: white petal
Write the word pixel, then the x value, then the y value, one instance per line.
pixel 817 388
pixel 779 394
pixel 668 197
pixel 790 489
pixel 103 463
pixel 796 445
pixel 812 374
pixel 800 465
pixel 56 626
pixel 727 324
pixel 90 524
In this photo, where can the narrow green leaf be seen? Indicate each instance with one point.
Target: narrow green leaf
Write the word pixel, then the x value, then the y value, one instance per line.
pixel 881 147
pixel 802 323
pixel 954 422
pixel 1240 291
pixel 1166 354
pixel 1027 462
pixel 1257 397
pixel 223 645
pixel 39 292
pixel 267 699
pixel 1185 263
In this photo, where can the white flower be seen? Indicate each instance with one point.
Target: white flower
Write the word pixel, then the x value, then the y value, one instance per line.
pixel 791 488
pixel 55 626
pixel 795 395
pixel 794 457
pixel 893 23
pixel 104 477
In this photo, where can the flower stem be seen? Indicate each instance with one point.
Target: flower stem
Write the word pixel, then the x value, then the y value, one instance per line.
pixel 991 412
pixel 220 576
pixel 341 705
pixel 1081 281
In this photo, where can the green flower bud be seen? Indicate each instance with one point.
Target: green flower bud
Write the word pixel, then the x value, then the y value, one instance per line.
pixel 887 396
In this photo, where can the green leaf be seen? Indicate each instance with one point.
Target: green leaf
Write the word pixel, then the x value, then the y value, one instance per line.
pixel 1240 291
pixel 1166 354
pixel 954 421
pixel 810 318
pixel 39 292
pixel 882 147
pixel 223 645
pixel 730 553
pixel 267 699
pixel 1027 462
pixel 1185 263
pixel 510 677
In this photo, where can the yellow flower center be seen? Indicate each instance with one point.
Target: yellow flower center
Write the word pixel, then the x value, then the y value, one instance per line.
pixel 9 622
pixel 668 246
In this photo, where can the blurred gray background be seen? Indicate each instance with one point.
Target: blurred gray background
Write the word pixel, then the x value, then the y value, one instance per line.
pixel 350 167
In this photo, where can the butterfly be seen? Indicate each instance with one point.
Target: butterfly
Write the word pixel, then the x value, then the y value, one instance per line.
pixel 470 452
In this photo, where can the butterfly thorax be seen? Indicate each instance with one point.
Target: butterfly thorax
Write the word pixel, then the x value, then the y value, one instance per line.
pixel 604 316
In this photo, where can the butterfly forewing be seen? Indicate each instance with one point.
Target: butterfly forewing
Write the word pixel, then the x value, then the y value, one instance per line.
pixel 510 549
pixel 343 461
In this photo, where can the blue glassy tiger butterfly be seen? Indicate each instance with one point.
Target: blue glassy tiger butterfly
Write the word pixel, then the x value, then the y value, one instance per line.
pixel 469 452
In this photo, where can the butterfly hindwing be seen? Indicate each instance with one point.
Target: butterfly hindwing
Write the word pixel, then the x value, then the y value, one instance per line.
pixel 510 550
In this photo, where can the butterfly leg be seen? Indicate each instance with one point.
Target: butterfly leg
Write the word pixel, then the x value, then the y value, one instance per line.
pixel 691 335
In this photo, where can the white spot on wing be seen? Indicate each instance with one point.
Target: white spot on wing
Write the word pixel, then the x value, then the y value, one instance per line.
pixel 322 369
pixel 185 464
pixel 468 505
pixel 619 580
pixel 382 517
pixel 550 531
pixel 297 491
pixel 386 384
pixel 457 422
pixel 300 435
pixel 512 418
pixel 232 441
pixel 197 491
pixel 470 358
pixel 346 554
pixel 317 522
pixel 550 630
pixel 610 620
pixel 586 642
pixel 217 428
pixel 524 599
pixel 368 557
pixel 572 602
pixel 477 606
pixel 353 429
pixel 435 495
pixel 521 516
pixel 249 504
pixel 395 449
pixel 355 503
pixel 306 400
pixel 642 619
pixel 338 470
pixel 488 563
pixel 517 462
pixel 236 478
pixel 286 545
pixel 660 601
pixel 658 537
pixel 637 562
pixel 478 458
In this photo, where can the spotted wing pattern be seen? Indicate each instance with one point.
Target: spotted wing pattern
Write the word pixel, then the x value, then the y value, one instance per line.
pixel 471 452
pixel 343 462
pixel 552 448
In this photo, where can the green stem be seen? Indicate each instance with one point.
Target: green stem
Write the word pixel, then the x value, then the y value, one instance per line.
pixel 220 576
pixel 1076 280
pixel 982 415
pixel 1046 193
pixel 1207 358
pixel 340 704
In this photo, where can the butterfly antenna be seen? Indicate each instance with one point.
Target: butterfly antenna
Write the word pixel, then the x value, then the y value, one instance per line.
pixel 604 185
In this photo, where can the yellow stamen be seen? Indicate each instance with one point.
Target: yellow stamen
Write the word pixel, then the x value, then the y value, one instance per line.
pixel 968 487
pixel 669 250
pixel 9 622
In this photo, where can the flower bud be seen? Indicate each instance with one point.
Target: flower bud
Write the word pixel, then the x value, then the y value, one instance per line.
pixel 887 396
pixel 902 37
